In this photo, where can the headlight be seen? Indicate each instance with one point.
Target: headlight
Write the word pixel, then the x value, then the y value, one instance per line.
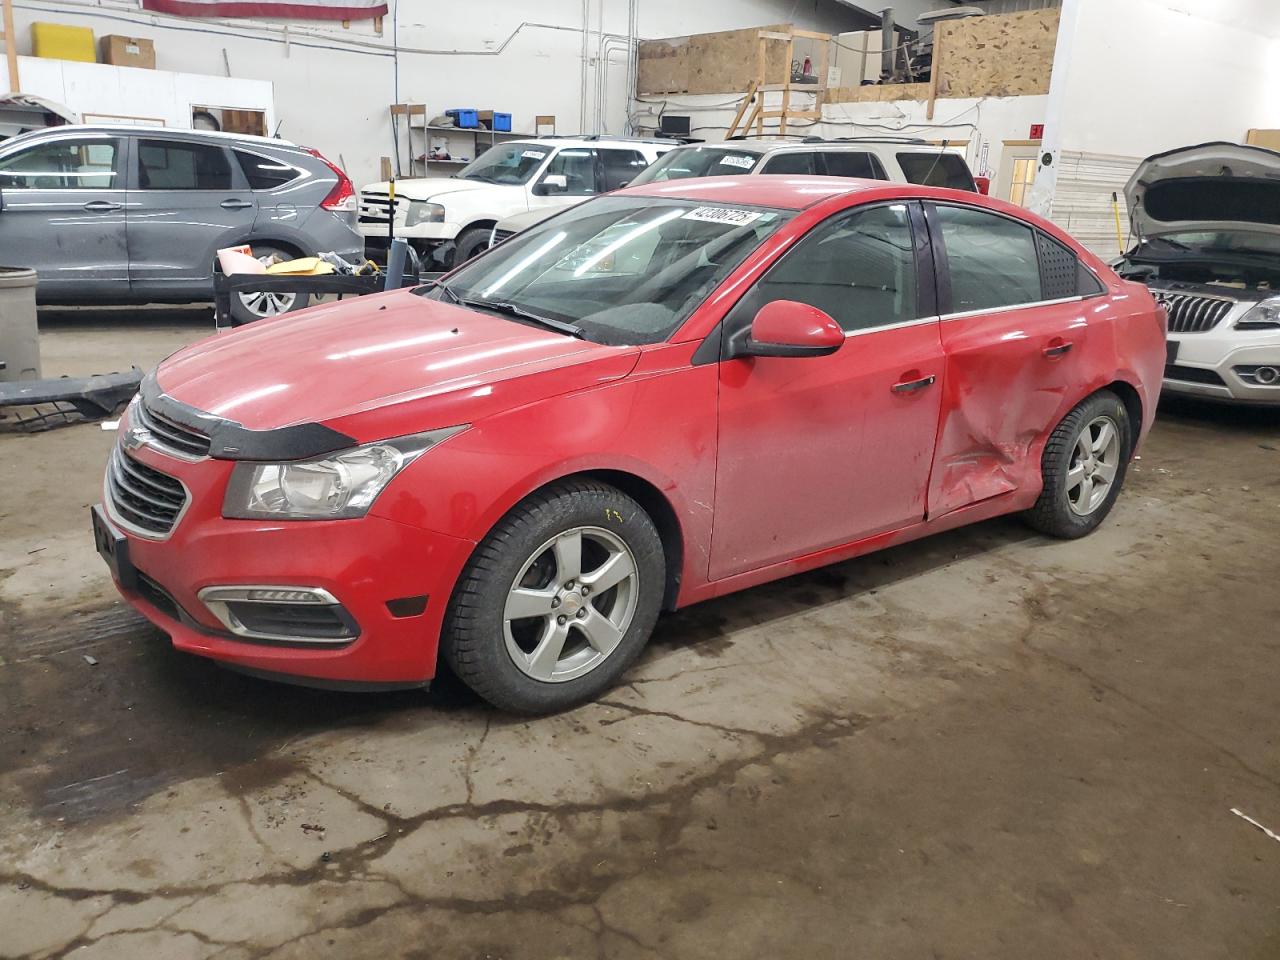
pixel 335 487
pixel 420 212
pixel 1263 316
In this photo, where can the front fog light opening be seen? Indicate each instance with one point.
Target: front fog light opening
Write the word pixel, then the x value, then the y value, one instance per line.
pixel 1263 375
pixel 283 613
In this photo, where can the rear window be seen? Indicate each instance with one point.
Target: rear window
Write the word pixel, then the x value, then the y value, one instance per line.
pixel 263 173
pixel 850 163
pixel 941 169
pixel 182 165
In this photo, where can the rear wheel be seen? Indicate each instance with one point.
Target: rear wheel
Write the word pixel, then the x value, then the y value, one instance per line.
pixel 558 600
pixel 1083 466
pixel 260 305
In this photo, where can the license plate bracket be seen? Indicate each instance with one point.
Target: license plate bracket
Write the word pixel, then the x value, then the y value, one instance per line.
pixel 113 547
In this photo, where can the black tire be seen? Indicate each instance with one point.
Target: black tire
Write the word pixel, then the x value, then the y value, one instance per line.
pixel 474 641
pixel 470 243
pixel 242 312
pixel 1053 512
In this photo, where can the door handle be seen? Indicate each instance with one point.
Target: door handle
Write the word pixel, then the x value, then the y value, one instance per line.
pixel 235 204
pixel 1057 348
pixel 911 386
pixel 102 206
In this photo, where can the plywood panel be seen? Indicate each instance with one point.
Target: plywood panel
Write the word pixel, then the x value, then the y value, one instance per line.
pixel 722 62
pixel 1010 55
pixel 878 92
pixel 1264 138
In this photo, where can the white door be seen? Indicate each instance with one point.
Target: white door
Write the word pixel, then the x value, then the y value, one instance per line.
pixel 1018 172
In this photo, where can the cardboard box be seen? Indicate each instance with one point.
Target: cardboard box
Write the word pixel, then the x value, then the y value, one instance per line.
pixel 129 51
pixel 61 42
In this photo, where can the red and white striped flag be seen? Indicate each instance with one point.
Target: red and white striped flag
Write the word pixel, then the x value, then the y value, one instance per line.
pixel 278 9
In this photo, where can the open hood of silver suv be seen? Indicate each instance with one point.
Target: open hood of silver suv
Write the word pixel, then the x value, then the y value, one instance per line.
pixel 1210 186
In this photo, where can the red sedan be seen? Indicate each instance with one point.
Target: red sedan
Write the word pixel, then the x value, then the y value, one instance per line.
pixel 663 395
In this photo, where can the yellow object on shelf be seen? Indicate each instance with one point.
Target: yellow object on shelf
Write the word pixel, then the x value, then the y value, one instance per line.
pixel 305 266
pixel 58 41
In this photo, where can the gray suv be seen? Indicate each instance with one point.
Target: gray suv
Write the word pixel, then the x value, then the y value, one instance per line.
pixel 116 214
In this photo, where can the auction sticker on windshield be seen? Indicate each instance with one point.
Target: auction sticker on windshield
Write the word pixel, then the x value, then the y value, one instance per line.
pixel 728 215
pixel 731 160
pixel 533 154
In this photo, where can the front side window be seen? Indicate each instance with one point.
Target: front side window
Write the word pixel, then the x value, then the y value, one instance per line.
pixel 683 162
pixel 625 270
pixel 62 165
pixel 175 165
pixel 992 259
pixel 507 163
pixel 859 268
pixel 941 169
pixel 620 167
pixel 578 167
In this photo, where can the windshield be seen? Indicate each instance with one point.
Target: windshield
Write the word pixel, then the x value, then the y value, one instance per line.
pixel 506 163
pixel 622 270
pixel 698 162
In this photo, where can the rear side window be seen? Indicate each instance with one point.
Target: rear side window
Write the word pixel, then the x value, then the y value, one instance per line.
pixel 621 166
pixel 850 163
pixel 860 269
pixel 172 165
pixel 993 260
pixel 792 163
pixel 263 173
pixel 1062 275
pixel 941 169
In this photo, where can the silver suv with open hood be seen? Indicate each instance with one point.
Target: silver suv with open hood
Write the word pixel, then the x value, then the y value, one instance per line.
pixel 1207 221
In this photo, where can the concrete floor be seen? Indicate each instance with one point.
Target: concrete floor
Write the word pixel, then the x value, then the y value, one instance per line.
pixel 986 744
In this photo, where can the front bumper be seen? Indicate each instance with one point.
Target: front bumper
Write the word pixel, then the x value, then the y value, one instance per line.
pixel 379 570
pixel 1217 365
pixel 422 231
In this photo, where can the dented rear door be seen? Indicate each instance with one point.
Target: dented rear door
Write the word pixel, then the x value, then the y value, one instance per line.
pixel 1013 352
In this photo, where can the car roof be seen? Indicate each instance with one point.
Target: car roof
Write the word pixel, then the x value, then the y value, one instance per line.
pixel 851 144
pixel 791 193
pixel 593 141
pixel 138 128
pixel 799 192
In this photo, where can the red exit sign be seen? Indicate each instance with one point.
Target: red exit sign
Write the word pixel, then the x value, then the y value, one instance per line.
pixel 1037 131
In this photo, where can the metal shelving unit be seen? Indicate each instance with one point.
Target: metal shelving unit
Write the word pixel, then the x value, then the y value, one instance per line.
pixel 414 136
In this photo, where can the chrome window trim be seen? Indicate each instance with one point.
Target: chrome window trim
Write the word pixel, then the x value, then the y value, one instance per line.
pixel 960 315
pixel 108 504
pixel 919 321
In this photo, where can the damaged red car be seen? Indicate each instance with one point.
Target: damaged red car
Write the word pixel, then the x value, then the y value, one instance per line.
pixel 659 396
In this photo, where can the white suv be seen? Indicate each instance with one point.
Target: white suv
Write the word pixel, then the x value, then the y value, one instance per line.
pixel 449 219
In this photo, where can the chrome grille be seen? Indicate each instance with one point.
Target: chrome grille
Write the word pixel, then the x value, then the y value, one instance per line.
pixel 141 496
pixel 1189 313
pixel 176 438
pixel 375 207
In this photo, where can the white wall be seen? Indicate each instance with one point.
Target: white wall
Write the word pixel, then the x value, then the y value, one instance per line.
pixel 96 88
pixel 1135 78
pixel 333 85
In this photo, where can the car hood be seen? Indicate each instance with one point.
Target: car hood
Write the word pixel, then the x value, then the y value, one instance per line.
pixel 383 365
pixel 429 188
pixel 1209 186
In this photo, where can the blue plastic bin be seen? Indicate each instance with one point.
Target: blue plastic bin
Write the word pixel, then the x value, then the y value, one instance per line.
pixel 502 122
pixel 462 117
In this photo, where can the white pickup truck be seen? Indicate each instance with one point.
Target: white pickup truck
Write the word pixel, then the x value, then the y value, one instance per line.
pixel 449 219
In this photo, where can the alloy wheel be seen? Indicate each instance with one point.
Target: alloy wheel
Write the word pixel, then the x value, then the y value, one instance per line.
pixel 268 304
pixel 1094 463
pixel 571 604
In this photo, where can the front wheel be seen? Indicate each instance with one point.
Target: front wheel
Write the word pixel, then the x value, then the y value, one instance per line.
pixel 558 600
pixel 1083 466
pixel 470 243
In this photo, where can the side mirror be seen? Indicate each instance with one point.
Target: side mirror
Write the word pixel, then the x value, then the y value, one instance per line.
pixel 785 328
pixel 552 183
